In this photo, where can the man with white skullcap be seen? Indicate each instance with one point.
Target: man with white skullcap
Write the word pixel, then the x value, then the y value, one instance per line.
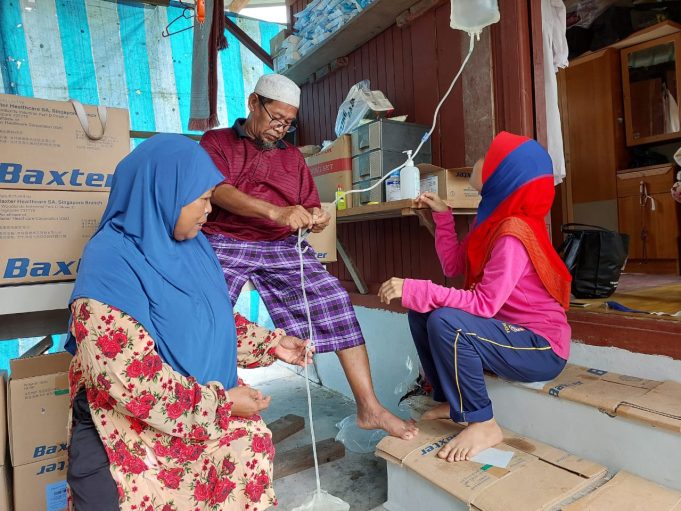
pixel 267 195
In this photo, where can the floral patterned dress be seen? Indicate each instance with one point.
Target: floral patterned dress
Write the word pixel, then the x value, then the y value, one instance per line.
pixel 173 444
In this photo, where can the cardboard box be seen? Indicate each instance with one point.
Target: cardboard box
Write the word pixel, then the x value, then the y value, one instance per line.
pixel 4 452
pixel 41 486
pixel 43 145
pixel 5 489
pixel 452 185
pixel 42 233
pixel 630 492
pixel 331 168
pixel 38 408
pixel 538 476
pixel 324 243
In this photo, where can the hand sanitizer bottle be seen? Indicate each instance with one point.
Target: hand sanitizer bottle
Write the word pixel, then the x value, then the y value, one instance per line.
pixel 410 179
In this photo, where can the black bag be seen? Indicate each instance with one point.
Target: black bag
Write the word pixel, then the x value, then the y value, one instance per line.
pixel 595 257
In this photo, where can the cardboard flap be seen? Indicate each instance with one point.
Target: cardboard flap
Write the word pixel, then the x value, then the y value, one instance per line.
pixel 630 492
pixel 543 475
pixel 39 366
pixel 429 432
pixel 537 486
pixel 597 388
pixel 554 456
pixel 660 406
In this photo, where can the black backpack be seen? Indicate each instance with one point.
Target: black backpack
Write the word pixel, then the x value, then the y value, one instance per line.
pixel 595 257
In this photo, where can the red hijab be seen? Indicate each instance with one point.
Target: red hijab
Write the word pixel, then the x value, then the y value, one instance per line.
pixel 517 194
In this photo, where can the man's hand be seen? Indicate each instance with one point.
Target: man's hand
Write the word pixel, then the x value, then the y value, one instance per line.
pixel 294 351
pixel 391 289
pixel 320 219
pixel 294 217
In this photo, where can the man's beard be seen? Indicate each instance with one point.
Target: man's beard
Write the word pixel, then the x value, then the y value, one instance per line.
pixel 265 145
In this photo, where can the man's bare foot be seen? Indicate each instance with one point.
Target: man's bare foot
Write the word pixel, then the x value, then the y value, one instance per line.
pixel 477 437
pixel 383 419
pixel 440 411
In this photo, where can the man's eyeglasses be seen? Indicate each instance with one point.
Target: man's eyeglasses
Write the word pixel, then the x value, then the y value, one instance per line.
pixel 288 127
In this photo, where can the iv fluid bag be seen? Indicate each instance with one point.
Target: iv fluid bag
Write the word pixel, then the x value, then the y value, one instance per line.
pixel 473 15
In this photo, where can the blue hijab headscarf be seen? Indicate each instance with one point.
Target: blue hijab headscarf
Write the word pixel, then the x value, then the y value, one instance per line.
pixel 175 289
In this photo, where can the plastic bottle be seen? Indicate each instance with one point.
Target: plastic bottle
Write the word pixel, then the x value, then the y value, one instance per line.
pixel 340 199
pixel 410 179
pixel 392 187
pixel 473 15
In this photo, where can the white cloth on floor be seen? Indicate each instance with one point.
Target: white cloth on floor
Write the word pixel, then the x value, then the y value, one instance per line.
pixel 555 57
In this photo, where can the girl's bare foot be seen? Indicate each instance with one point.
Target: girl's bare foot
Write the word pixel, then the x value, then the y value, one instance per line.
pixel 440 411
pixel 477 437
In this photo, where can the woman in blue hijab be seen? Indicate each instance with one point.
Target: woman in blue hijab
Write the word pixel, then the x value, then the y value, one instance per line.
pixel 160 420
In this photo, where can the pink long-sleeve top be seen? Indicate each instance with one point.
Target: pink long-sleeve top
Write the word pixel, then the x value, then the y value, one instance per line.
pixel 510 290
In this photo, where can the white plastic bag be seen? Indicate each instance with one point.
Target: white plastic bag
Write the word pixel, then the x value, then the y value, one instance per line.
pixel 358 103
pixel 356 439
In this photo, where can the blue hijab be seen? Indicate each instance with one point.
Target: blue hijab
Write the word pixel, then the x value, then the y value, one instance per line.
pixel 175 289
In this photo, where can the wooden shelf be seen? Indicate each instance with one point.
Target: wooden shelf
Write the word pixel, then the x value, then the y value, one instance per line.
pixel 383 210
pixel 34 297
pixel 377 17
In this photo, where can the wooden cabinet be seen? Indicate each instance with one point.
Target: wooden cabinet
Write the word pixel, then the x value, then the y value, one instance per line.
pixel 590 91
pixel 650 216
pixel 650 74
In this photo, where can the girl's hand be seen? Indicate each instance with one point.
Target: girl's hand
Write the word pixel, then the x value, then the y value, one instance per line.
pixel 294 351
pixel 433 201
pixel 391 289
pixel 246 401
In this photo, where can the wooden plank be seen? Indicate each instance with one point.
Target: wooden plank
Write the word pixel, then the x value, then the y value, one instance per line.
pixel 352 269
pixel 417 10
pixel 34 324
pixel 249 43
pixel 648 34
pixel 299 459
pixel 285 427
pixel 376 18
pixel 386 210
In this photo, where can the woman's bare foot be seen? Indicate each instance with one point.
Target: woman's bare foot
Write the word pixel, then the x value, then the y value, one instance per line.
pixel 440 411
pixel 477 437
pixel 380 418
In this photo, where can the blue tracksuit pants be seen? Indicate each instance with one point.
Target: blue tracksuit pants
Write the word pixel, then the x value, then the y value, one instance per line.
pixel 455 347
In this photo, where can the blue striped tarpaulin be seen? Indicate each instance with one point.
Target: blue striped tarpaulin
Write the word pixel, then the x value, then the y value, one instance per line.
pixel 112 53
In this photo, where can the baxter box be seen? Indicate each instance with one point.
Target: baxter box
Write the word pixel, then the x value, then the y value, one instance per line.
pixel 44 146
pixel 38 408
pixel 324 243
pixel 331 168
pixel 452 185
pixel 41 486
pixel 42 233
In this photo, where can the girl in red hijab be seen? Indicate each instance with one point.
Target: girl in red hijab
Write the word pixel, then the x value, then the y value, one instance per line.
pixel 510 318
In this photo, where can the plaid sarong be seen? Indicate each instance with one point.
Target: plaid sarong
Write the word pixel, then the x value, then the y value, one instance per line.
pixel 274 269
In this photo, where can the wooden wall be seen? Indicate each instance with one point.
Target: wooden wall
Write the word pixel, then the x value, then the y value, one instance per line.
pixel 414 66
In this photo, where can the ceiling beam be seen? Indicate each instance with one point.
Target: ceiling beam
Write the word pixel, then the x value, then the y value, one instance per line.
pixel 249 43
pixel 237 5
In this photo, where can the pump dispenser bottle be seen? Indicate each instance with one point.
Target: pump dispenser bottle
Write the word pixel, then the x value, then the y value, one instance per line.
pixel 410 179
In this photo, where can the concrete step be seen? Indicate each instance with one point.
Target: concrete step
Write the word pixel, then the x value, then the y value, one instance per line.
pixel 539 477
pixel 622 422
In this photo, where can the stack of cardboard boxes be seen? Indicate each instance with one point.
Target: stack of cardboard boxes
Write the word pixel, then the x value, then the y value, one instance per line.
pixel 54 184
pixel 284 50
pixel 37 415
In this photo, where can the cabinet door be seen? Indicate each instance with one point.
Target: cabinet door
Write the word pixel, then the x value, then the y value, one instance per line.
pixel 631 223
pixel 593 126
pixel 662 227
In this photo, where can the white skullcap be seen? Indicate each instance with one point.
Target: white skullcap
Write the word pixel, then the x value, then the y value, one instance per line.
pixel 278 88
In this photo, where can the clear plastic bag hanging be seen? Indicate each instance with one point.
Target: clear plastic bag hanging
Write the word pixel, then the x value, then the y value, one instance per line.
pixel 473 15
